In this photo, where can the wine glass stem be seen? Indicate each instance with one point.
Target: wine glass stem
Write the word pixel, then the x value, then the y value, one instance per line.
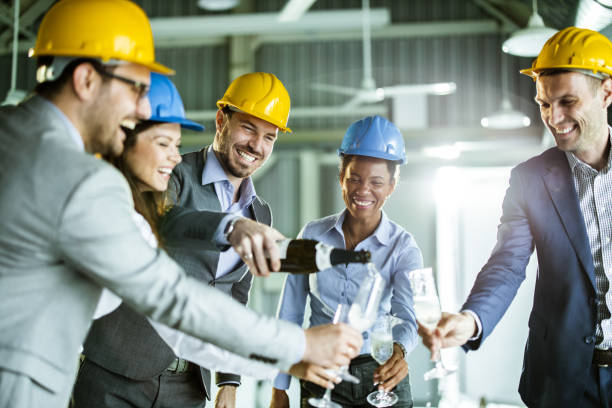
pixel 327 395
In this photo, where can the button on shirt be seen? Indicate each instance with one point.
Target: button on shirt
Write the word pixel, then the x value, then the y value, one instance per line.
pixel 594 190
pixel 394 252
pixel 214 173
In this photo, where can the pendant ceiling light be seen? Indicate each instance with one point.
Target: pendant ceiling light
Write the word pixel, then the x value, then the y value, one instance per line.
pixel 218 5
pixel 529 41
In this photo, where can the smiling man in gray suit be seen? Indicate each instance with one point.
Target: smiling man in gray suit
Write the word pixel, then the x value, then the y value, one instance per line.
pixel 66 227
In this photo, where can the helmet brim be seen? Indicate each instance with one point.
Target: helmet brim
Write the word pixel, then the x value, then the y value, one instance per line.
pixel 373 153
pixel 185 123
pixel 221 104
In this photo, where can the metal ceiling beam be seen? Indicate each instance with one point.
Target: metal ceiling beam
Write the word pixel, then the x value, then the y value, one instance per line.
pixel 28 17
pixel 507 23
pixel 402 30
pixel 262 23
pixel 6 16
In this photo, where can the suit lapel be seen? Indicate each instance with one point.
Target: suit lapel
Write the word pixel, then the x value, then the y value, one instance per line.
pixel 559 182
pixel 208 190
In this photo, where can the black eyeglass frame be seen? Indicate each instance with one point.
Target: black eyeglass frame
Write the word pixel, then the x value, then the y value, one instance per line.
pixel 141 88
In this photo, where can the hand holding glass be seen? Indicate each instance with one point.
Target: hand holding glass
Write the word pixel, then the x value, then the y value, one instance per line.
pixel 381 343
pixel 428 312
pixel 361 316
pixel 341 315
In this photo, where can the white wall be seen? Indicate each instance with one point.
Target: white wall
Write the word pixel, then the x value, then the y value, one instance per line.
pixel 469 208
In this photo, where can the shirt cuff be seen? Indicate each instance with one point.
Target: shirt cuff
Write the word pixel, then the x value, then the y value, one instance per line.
pixel 234 383
pixel 478 324
pixel 282 381
pixel 219 236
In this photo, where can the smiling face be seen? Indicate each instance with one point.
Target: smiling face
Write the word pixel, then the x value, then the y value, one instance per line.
pixel 366 184
pixel 153 156
pixel 117 104
pixel 573 108
pixel 242 143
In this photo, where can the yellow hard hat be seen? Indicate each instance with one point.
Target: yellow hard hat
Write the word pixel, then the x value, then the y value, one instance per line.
pixel 259 94
pixel 574 48
pixel 104 29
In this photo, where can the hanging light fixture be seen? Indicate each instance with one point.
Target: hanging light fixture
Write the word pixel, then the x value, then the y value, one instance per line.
pixel 506 117
pixel 217 5
pixel 529 41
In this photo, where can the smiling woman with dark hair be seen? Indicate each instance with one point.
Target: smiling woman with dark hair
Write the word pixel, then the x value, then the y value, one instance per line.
pixel 370 155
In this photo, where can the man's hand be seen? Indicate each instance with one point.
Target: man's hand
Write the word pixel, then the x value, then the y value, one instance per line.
pixel 315 374
pixel 280 399
pixel 226 397
pixel 452 330
pixel 253 241
pixel 388 375
pixel 332 345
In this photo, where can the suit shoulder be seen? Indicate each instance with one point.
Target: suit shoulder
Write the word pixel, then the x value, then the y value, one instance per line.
pixel 541 161
pixel 189 162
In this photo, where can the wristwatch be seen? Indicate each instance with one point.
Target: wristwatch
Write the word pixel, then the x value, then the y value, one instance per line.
pixel 229 228
pixel 401 346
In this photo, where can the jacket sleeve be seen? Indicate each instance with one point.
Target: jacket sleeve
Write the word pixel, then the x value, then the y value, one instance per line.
pixel 98 237
pixel 240 292
pixel 498 281
pixel 194 229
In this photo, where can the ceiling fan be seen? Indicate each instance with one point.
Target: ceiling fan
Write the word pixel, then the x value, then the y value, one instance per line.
pixel 369 93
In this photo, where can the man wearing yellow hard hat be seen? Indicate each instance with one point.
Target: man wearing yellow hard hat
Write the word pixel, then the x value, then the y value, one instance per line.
pixel 559 203
pixel 66 225
pixel 217 178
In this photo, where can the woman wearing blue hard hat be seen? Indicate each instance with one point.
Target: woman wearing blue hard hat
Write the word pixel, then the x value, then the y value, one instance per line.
pixel 370 155
pixel 111 369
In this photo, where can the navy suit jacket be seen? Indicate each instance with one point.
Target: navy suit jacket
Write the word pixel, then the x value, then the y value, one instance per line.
pixel 541 209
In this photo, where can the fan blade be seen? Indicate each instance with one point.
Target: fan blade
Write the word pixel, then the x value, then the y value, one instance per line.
pixel 440 88
pixel 344 90
pixel 352 103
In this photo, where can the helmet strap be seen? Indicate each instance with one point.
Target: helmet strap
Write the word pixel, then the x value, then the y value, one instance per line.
pixel 53 70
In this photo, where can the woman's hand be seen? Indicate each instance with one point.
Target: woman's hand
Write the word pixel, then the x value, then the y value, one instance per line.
pixel 388 375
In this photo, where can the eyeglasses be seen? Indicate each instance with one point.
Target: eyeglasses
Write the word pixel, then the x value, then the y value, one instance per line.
pixel 140 88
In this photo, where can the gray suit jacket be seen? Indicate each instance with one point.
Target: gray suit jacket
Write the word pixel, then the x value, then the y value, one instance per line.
pixel 123 341
pixel 66 231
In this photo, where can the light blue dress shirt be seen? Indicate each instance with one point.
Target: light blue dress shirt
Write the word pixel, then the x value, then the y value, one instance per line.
pixel 74 133
pixel 214 173
pixel 394 252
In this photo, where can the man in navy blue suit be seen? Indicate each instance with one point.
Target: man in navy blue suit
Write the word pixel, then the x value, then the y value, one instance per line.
pixel 557 202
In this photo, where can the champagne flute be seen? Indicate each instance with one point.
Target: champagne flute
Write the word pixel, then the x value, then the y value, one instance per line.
pixel 361 315
pixel 325 401
pixel 428 312
pixel 381 350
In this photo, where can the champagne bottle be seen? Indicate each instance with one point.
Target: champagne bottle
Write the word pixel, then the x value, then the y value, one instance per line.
pixel 308 256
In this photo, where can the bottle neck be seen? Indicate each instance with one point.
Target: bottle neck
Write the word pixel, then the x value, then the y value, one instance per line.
pixel 340 256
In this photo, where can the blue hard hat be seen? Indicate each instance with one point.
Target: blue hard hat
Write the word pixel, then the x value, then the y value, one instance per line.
pixel 166 103
pixel 374 136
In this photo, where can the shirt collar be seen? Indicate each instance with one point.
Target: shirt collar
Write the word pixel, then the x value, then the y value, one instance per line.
pixel 382 233
pixel 72 130
pixel 574 161
pixel 213 172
